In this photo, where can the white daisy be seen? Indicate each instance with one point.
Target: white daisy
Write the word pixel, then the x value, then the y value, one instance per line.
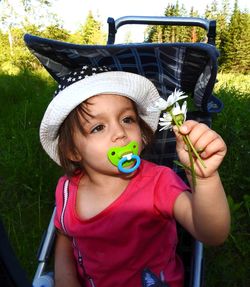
pixel 167 122
pixel 159 105
pixel 177 110
pixel 162 105
pixel 176 96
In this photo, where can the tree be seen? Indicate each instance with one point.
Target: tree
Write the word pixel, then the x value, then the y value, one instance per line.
pixel 235 47
pixel 175 33
pixel 162 33
pixel 91 31
pixel 170 34
pixel 8 19
pixel 22 13
pixel 35 17
pixel 16 17
pixel 55 32
pixel 154 34
pixel 222 19
pixel 196 34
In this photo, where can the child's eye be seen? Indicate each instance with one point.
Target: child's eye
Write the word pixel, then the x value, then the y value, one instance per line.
pixel 97 129
pixel 128 120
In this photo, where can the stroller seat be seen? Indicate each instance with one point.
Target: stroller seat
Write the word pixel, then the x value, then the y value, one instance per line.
pixel 190 67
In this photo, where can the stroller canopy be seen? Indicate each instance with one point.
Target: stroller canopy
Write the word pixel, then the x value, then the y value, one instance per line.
pixel 191 67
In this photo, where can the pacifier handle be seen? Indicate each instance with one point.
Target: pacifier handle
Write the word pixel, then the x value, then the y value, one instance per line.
pixel 129 170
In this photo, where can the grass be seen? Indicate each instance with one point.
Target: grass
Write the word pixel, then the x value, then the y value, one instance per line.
pixel 28 177
pixel 233 123
pixel 229 265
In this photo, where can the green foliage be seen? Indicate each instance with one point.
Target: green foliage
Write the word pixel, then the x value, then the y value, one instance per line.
pixel 165 34
pixel 14 56
pixel 236 130
pixel 91 31
pixel 228 265
pixel 55 32
pixel 18 14
pixel 235 51
pixel 233 33
pixel 27 176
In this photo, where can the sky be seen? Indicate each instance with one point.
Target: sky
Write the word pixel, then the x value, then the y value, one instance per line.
pixel 74 12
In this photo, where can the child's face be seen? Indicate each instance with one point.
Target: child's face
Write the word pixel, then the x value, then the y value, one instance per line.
pixel 112 121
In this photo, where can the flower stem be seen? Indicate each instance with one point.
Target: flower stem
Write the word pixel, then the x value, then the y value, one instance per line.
pixel 187 140
pixel 195 152
pixel 191 151
pixel 191 163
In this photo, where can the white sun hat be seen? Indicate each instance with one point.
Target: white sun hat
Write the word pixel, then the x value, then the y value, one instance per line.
pixel 82 84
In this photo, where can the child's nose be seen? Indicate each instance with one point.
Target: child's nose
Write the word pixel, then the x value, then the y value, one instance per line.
pixel 118 132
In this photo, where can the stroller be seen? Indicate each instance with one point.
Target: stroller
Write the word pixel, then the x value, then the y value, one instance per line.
pixel 191 67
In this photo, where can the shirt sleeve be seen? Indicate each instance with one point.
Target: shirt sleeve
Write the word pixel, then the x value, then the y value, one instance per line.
pixel 168 187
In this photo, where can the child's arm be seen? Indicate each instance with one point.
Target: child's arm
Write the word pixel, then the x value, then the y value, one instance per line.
pixel 204 212
pixel 65 266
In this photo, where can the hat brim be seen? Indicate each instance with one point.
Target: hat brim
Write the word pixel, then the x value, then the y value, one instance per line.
pixel 137 88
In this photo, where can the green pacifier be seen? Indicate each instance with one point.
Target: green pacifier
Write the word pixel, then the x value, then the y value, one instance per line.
pixel 122 157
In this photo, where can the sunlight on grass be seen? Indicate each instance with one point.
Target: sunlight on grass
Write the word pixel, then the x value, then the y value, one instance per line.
pixel 237 82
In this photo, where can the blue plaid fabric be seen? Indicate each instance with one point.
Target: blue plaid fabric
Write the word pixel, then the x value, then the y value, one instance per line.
pixel 191 67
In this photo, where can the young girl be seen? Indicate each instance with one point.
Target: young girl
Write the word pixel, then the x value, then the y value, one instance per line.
pixel 115 221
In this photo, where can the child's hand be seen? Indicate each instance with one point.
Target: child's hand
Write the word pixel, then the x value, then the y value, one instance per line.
pixel 207 142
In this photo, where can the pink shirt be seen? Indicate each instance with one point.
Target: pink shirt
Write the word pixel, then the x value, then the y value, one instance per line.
pixel 136 231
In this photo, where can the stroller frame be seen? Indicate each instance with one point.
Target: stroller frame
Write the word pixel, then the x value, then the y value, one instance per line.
pixel 42 277
pixel 208 25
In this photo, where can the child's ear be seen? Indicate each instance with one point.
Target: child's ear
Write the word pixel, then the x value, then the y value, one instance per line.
pixel 74 155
